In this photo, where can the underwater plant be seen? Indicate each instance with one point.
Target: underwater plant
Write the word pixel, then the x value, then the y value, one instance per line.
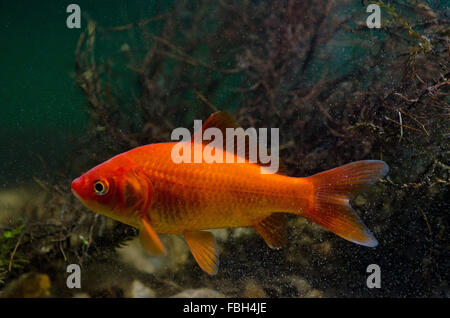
pixel 338 91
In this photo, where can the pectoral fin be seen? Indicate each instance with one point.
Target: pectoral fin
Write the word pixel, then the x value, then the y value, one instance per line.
pixel 204 249
pixel 150 240
pixel 272 230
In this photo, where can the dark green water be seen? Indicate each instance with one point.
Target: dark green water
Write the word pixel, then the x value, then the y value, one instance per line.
pixel 42 110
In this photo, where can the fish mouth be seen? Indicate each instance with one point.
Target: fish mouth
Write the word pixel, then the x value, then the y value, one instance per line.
pixel 77 195
pixel 76 187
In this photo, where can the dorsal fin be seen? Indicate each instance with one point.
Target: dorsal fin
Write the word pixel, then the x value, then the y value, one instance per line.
pixel 222 120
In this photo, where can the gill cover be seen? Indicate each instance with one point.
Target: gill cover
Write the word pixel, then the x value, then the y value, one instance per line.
pixel 136 192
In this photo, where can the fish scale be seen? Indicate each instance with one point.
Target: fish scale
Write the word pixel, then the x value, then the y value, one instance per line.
pixel 214 195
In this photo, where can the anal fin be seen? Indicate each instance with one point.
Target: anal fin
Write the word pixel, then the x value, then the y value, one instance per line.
pixel 203 247
pixel 149 239
pixel 272 230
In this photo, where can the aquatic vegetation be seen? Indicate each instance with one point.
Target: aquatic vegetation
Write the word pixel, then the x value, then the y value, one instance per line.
pixel 8 246
pixel 338 91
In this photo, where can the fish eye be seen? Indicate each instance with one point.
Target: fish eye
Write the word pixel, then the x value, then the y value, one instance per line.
pixel 100 187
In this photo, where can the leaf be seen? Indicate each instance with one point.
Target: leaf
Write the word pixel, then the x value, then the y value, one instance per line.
pixel 13 233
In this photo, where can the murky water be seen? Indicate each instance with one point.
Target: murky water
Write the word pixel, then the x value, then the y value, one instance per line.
pixel 337 88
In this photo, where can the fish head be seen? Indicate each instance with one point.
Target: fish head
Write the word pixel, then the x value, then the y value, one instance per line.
pixel 116 188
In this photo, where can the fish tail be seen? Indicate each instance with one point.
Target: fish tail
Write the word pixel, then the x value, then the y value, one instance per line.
pixel 329 204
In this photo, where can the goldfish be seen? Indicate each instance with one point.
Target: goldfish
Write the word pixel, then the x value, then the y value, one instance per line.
pixel 146 189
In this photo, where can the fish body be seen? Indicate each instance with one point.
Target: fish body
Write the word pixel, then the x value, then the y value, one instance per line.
pixel 199 196
pixel 146 189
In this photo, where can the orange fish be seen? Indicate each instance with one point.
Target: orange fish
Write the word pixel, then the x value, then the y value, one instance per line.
pixel 146 189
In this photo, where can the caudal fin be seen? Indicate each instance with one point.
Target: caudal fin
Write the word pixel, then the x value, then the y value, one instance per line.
pixel 330 206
